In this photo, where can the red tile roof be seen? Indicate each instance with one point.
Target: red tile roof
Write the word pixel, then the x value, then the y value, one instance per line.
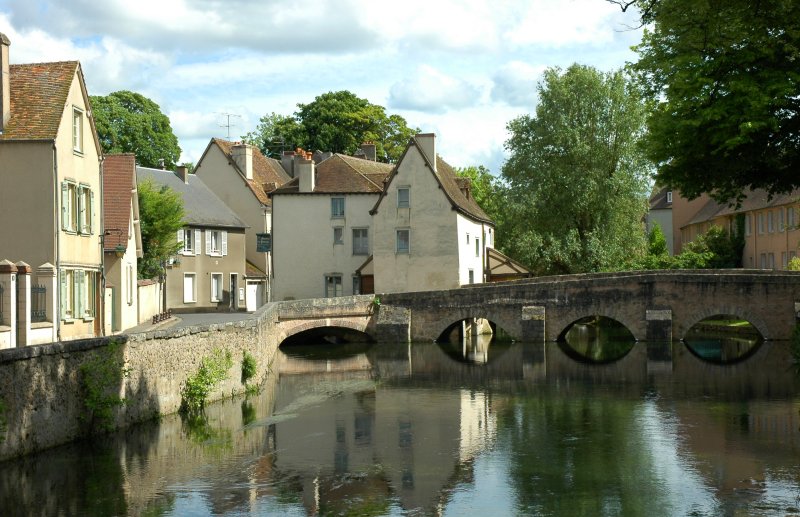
pixel 118 180
pixel 38 95
pixel 267 172
pixel 342 174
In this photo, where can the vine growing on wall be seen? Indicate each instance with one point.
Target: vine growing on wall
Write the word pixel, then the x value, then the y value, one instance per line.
pixel 213 370
pixel 249 367
pixel 101 379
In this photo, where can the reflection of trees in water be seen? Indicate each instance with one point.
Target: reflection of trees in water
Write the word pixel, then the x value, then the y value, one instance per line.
pixel 723 339
pixel 598 339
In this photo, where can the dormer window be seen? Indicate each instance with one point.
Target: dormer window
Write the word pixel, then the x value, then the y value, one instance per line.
pixel 669 196
pixel 77 130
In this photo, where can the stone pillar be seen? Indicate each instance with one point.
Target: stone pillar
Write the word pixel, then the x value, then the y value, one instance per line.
pixel 23 304
pixel 533 324
pixel 47 275
pixel 659 325
pixel 8 280
pixel 393 325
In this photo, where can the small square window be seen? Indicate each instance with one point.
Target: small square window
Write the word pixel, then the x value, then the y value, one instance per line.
pixel 403 197
pixel 403 241
pixel 337 207
pixel 338 235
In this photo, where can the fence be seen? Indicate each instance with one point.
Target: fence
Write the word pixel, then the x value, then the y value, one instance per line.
pixel 38 303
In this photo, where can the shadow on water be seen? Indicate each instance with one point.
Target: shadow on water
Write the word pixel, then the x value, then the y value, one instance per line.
pixel 597 340
pixel 723 339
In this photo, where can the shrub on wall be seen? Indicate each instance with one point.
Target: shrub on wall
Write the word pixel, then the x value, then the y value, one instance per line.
pixel 101 380
pixel 213 370
pixel 249 367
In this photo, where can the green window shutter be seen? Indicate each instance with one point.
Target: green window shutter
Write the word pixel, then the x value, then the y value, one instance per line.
pixel 78 293
pixel 79 226
pixel 91 211
pixel 64 206
pixel 63 299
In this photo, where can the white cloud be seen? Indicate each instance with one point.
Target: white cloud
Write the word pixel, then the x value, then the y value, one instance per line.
pixel 515 84
pixel 432 91
pixel 564 22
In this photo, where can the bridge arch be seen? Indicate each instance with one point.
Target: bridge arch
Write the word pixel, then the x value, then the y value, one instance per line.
pixel 559 324
pixel 501 318
pixel 294 327
pixel 682 327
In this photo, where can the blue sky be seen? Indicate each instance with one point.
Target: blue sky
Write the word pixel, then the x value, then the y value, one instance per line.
pixel 461 69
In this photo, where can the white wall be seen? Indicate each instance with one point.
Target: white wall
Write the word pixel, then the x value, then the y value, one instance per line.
pixel 468 259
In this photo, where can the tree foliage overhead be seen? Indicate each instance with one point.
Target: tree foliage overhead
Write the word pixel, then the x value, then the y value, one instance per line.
pixel 128 122
pixel 161 215
pixel 577 178
pixel 726 74
pixel 335 121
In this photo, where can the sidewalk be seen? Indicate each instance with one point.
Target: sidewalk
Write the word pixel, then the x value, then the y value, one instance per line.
pixel 178 321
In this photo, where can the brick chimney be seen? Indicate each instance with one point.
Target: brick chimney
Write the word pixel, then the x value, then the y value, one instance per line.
pixel 427 142
pixel 242 155
pixel 5 79
pixel 304 169
pixel 182 172
pixel 368 150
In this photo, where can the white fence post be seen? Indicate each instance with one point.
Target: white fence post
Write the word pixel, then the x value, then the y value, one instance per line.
pixel 8 281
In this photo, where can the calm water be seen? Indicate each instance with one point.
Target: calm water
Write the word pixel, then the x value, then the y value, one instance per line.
pixel 465 429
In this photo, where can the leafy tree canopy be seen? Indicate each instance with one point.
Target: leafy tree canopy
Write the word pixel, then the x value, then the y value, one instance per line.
pixel 726 77
pixel 128 122
pixel 335 121
pixel 577 177
pixel 161 215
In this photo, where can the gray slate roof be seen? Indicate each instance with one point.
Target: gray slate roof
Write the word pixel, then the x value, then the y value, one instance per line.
pixel 202 207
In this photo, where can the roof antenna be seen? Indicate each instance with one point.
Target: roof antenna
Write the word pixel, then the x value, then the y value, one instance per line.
pixel 227 123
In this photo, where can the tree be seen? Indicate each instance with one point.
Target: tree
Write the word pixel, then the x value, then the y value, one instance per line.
pixel 128 122
pixel 161 215
pixel 727 80
pixel 577 178
pixel 335 121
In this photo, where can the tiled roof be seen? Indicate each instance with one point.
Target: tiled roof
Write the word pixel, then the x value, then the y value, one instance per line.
pixel 201 206
pixel 658 201
pixel 342 174
pixel 449 181
pixel 267 172
pixel 118 181
pixel 38 95
pixel 754 200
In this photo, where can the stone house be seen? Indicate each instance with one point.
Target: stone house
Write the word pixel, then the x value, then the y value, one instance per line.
pixel 208 273
pixel 50 192
pixel 660 213
pixel 243 177
pixel 122 246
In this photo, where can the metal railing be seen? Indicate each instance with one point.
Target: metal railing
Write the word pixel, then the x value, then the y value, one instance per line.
pixel 38 303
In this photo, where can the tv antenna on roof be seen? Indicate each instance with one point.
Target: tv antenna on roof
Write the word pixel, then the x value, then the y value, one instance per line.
pixel 227 123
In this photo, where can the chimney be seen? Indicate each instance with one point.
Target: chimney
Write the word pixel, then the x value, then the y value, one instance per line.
pixel 304 168
pixel 368 149
pixel 287 162
pixel 427 142
pixel 465 186
pixel 182 172
pixel 243 157
pixel 5 78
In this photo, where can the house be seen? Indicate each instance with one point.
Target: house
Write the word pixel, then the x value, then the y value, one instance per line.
pixel 660 213
pixel 50 195
pixel 208 272
pixel 322 228
pixel 429 231
pixel 122 245
pixel 243 178
pixel 770 226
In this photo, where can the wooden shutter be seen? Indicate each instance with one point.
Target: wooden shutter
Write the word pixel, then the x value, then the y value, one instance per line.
pixel 90 215
pixel 197 249
pixel 65 205
pixel 224 243
pixel 64 302
pixel 180 240
pixel 77 293
pixel 208 241
pixel 79 224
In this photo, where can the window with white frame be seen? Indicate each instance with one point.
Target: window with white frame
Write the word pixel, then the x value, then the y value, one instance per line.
pixel 781 224
pixel 477 247
pixel 85 207
pixel 770 222
pixel 67 294
pixel 189 288
pixel 748 223
pixel 78 294
pixel 77 130
pixel 216 287
pixel 77 208
pixel 356 284
pixel 403 197
pixel 333 285
pixel 337 207
pixel 403 240
pixel 190 238
pixel 790 218
pixel 471 274
pixel 338 235
pixel 216 243
pixel 360 241
pixel 784 260
pixel 761 223
pixel 669 196
pixel 129 283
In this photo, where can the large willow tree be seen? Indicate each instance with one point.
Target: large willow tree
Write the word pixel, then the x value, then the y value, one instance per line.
pixel 577 175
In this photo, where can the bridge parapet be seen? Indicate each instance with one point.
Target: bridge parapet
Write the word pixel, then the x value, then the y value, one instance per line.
pixel 314 308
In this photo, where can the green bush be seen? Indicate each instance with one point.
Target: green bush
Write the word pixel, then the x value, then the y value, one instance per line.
pixel 101 377
pixel 794 264
pixel 249 367
pixel 213 370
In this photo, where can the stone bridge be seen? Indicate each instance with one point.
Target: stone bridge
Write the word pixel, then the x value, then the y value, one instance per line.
pixel 653 305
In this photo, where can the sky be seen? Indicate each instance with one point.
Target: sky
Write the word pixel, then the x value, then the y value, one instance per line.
pixel 461 69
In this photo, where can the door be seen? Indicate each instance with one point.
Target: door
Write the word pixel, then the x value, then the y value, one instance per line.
pixel 234 292
pixel 367 284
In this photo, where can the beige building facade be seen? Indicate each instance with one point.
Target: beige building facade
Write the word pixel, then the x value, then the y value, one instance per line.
pixel 51 191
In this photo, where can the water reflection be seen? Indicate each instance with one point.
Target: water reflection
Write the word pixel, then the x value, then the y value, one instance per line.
pixel 597 339
pixel 421 429
pixel 723 339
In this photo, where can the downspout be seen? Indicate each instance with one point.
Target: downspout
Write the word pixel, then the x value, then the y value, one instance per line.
pixel 101 230
pixel 57 229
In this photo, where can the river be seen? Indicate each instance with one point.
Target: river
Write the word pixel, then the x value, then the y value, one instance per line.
pixel 464 429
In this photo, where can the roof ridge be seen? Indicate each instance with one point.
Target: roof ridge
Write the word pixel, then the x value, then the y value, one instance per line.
pixel 358 171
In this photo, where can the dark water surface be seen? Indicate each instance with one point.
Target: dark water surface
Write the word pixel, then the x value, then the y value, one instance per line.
pixel 471 429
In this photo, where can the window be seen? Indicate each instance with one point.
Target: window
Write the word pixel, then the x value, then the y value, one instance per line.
pixel 85 207
pixel 333 285
pixel 191 241
pixel 216 287
pixel 790 217
pixel 770 223
pixel 356 284
pixel 77 208
pixel 669 196
pixel 780 220
pixel 77 130
pixel 189 288
pixel 403 241
pixel 784 260
pixel 129 282
pixel 763 262
pixel 771 260
pixel 467 238
pixel 338 235
pixel 360 241
pixel 337 207
pixel 67 294
pixel 761 223
pixel 78 294
pixel 216 243
pixel 477 247
pixel 748 222
pixel 489 239
pixel 403 200
pixel 471 276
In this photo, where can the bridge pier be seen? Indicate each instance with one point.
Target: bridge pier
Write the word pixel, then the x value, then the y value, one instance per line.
pixel 533 330
pixel 659 325
pixel 393 325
